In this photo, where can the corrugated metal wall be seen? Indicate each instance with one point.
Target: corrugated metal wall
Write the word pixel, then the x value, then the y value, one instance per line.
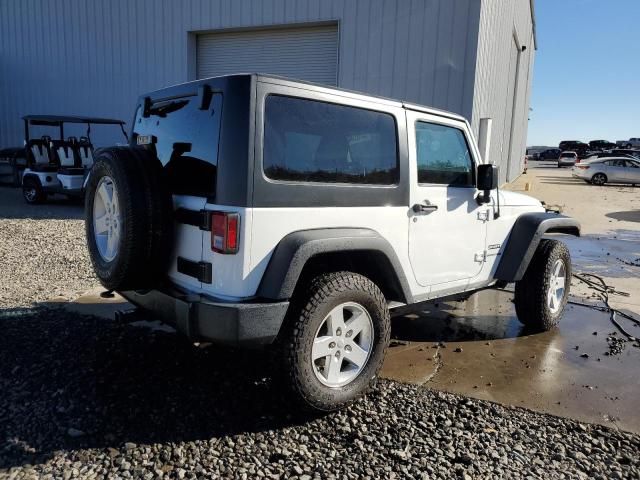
pixel 500 22
pixel 306 53
pixel 95 57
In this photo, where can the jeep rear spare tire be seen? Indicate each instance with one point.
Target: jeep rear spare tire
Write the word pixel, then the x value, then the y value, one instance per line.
pixel 335 340
pixel 128 219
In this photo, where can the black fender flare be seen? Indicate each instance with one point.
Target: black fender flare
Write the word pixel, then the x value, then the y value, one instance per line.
pixel 297 248
pixel 525 236
pixel 31 176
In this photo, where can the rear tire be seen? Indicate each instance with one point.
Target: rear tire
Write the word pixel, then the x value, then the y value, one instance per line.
pixel 32 191
pixel 323 321
pixel 130 250
pixel 599 179
pixel 541 295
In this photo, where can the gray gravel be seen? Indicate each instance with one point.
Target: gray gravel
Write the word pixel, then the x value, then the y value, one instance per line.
pixel 42 251
pixel 84 397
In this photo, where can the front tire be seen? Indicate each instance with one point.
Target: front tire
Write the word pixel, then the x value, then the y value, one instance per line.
pixel 32 191
pixel 541 295
pixel 335 339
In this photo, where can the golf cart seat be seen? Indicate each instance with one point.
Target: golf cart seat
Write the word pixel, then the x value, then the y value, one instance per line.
pixel 41 155
pixel 85 151
pixel 65 151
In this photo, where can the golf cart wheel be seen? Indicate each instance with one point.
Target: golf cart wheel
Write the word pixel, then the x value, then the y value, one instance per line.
pixel 128 219
pixel 599 179
pixel 32 191
pixel 541 295
pixel 334 341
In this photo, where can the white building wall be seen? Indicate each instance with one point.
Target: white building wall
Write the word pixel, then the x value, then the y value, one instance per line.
pixel 500 21
pixel 93 57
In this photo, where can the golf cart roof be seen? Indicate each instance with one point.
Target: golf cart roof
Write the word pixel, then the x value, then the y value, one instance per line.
pixel 57 120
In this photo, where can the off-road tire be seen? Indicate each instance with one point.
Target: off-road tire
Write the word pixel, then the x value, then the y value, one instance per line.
pixel 146 219
pixel 306 314
pixel 531 292
pixel 599 179
pixel 29 185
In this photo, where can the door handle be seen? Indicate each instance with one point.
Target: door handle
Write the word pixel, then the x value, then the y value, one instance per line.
pixel 424 207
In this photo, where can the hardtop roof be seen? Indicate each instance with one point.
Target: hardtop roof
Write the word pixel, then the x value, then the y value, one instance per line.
pixel 170 92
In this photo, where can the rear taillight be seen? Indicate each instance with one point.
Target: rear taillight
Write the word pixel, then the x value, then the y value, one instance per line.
pixel 583 167
pixel 225 231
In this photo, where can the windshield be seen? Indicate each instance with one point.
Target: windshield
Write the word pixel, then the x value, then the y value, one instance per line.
pixel 185 139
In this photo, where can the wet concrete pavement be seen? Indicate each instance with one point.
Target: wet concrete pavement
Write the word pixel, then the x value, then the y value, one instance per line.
pixel 486 353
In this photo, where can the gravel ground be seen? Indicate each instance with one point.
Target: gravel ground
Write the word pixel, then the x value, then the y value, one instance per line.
pixel 82 397
pixel 42 250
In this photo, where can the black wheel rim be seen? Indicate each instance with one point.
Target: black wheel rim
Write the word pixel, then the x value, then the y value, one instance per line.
pixel 30 194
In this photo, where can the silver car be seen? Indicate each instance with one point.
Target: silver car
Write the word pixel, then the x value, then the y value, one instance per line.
pixel 567 159
pixel 608 170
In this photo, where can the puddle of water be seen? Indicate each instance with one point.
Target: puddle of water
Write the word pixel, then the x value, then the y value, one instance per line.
pixel 611 254
pixel 156 326
pixel 433 326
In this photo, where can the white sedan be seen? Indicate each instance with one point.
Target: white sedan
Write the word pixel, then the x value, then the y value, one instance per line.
pixel 608 170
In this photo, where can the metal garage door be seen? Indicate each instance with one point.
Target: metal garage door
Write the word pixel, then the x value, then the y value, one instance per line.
pixel 305 53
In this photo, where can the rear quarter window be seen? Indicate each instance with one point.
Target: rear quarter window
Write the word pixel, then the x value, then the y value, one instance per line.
pixel 313 141
pixel 185 139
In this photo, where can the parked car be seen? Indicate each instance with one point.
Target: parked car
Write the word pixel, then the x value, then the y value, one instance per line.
pixel 574 146
pixel 596 155
pixel 58 166
pixel 12 163
pixel 257 210
pixel 609 170
pixel 550 154
pixel 624 152
pixel 633 142
pixel 567 159
pixel 599 145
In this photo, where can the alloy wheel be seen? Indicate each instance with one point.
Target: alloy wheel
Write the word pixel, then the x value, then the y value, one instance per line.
pixel 557 285
pixel 107 226
pixel 342 344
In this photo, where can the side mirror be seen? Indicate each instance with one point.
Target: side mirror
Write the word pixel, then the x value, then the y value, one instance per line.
pixel 488 179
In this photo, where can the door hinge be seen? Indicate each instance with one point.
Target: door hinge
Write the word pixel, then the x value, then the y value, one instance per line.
pixel 483 215
pixel 480 257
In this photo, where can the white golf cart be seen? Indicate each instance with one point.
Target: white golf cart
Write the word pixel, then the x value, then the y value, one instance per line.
pixel 58 166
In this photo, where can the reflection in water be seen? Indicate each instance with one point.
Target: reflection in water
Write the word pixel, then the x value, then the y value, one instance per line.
pixel 457 322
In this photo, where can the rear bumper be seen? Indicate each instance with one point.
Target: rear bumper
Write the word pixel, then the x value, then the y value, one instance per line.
pixel 200 319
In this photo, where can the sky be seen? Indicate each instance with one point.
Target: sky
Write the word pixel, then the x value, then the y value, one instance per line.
pixel 586 83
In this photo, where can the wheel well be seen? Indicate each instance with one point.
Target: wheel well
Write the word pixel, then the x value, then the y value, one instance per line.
pixel 566 229
pixel 31 178
pixel 370 263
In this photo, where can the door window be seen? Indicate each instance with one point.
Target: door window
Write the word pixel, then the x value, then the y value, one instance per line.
pixel 443 156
